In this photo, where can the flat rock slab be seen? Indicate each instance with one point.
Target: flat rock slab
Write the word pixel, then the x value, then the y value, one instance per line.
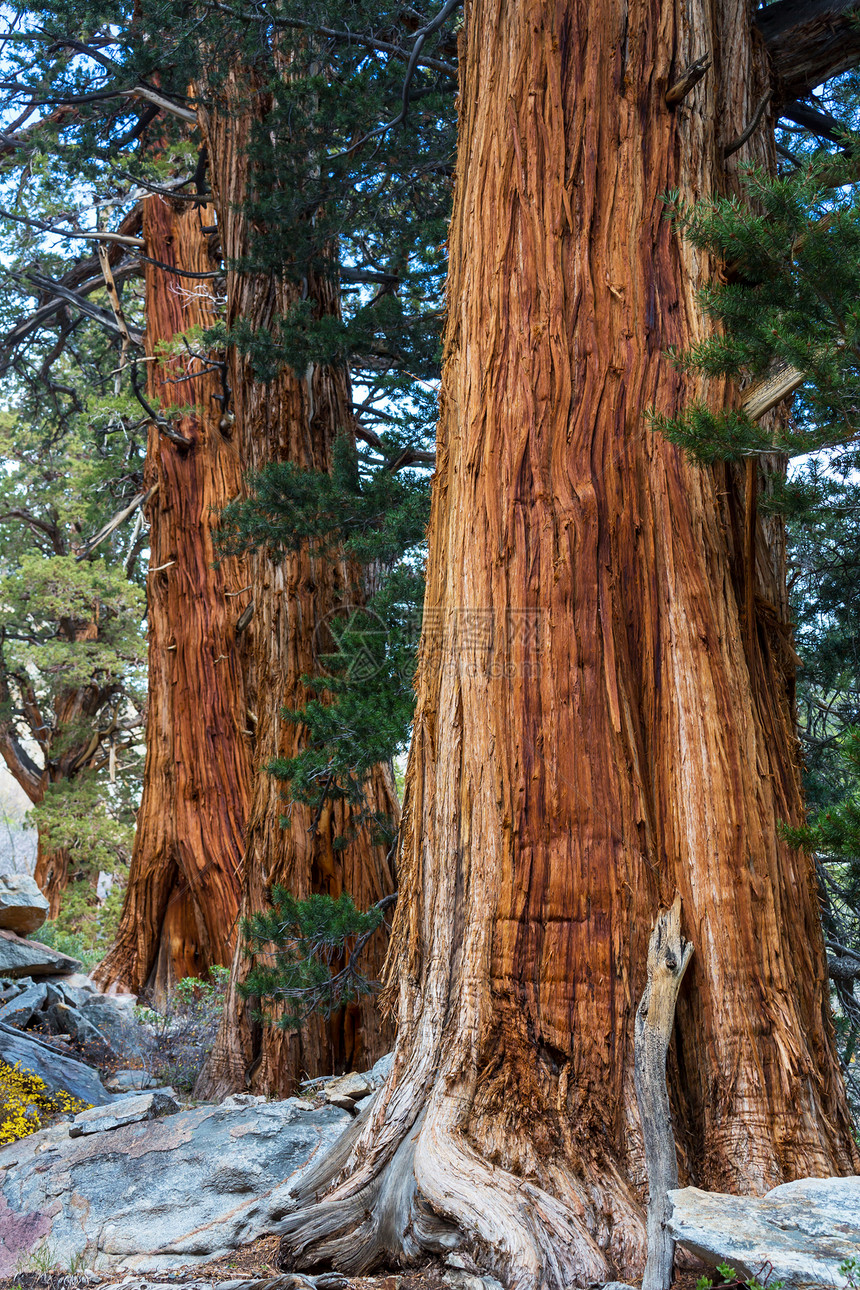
pixel 58 1072
pixel 798 1233
pixel 161 1194
pixel 128 1110
pixel 23 908
pixel 30 958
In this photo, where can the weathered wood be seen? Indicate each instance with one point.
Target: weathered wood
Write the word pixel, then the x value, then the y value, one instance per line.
pixel 687 81
pixel 668 957
pixel 777 384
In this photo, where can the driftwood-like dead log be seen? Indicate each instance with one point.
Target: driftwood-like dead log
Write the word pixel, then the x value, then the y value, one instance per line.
pixel 668 956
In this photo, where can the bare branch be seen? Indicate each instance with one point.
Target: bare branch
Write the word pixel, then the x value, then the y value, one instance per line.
pixel 114 523
pixel 809 41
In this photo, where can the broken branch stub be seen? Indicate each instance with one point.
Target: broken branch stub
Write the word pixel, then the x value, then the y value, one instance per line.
pixel 668 957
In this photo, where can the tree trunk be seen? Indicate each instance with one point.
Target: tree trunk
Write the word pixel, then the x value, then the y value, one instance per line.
pixel 78 706
pixel 295 419
pixel 596 729
pixel 51 875
pixel 179 915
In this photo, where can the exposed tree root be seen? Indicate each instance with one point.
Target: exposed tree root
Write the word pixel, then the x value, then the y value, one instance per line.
pixel 387 1195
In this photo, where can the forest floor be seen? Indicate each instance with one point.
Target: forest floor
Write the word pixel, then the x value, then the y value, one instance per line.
pixel 258 1261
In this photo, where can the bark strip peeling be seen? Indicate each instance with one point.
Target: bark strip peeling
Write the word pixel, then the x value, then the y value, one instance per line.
pixel 668 957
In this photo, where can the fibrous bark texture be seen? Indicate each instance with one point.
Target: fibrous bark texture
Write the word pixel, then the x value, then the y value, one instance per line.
pixel 179 916
pixel 295 418
pixel 604 712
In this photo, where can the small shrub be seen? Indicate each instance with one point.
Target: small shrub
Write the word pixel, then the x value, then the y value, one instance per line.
pixel 731 1281
pixel 183 1030
pixel 25 1103
pixel 850 1270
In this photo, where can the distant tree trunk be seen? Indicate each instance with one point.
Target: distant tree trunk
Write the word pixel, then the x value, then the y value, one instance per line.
pixel 78 705
pixel 179 915
pixel 295 419
pixel 598 728
pixel 52 872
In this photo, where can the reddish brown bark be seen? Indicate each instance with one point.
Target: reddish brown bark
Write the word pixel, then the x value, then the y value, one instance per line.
pixel 636 743
pixel 179 916
pixel 295 419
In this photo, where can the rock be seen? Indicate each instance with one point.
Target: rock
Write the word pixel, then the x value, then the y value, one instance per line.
pixel 30 958
pixel 159 1194
pixel 20 1008
pixel 128 1081
pixel 76 989
pixel 347 1088
pixel 59 1072
pixel 116 1023
pixel 464 1274
pixel 341 1100
pixel 128 1110
pixel 235 1100
pixel 64 1020
pixel 798 1233
pixel 379 1072
pixel 23 908
pixel 9 988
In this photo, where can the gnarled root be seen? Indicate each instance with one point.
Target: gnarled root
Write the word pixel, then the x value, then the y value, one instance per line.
pixel 429 1190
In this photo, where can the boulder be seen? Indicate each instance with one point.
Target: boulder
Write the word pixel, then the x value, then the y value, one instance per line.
pixel 62 1019
pixel 116 1023
pixel 346 1090
pixel 127 1110
pixel 23 908
pixel 30 958
pixel 57 1071
pixel 20 1008
pixel 380 1070
pixel 129 1081
pixel 798 1233
pixel 160 1194
pixel 75 990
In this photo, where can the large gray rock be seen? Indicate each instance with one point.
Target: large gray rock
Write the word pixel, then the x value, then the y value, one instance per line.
pixel 169 1192
pixel 20 1008
pixel 130 1081
pixel 798 1233
pixel 116 1022
pixel 30 958
pixel 23 908
pixel 59 1073
pixel 62 1019
pixel 127 1110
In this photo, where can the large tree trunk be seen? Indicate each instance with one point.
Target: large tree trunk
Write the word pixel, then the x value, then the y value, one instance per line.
pixel 75 707
pixel 598 726
pixel 179 916
pixel 295 419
